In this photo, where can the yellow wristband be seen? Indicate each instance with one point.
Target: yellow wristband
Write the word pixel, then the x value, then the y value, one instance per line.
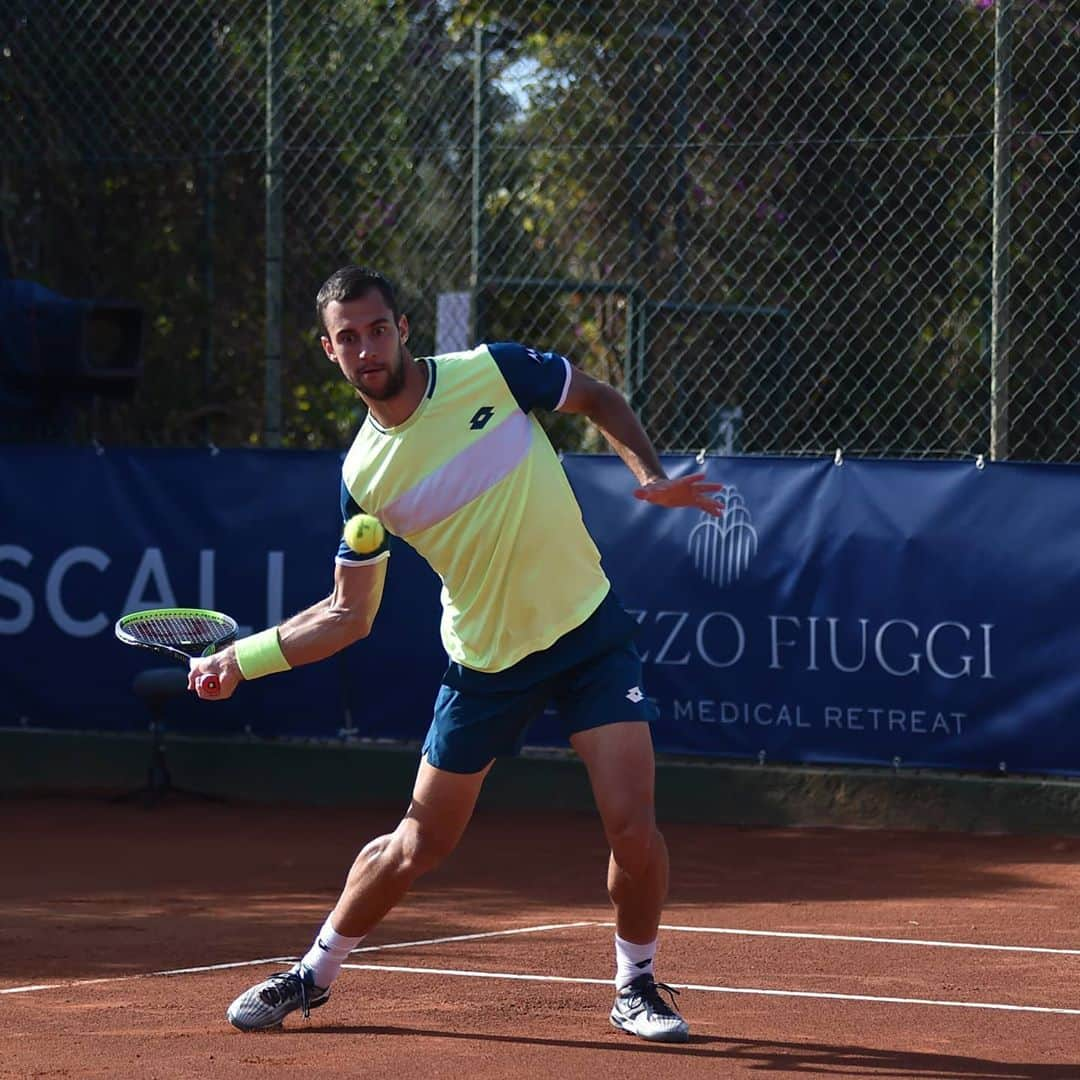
pixel 260 654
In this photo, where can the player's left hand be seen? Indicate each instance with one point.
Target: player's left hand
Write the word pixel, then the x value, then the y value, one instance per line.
pixel 693 490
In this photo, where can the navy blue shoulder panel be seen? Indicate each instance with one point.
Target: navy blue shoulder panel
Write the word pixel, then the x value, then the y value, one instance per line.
pixel 536 379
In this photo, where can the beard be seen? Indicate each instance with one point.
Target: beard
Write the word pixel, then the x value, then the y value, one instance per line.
pixel 393 382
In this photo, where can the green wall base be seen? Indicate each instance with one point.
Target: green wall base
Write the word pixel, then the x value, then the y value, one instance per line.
pixel 358 774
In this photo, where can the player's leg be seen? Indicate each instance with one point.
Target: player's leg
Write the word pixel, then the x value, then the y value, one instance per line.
pixel 619 760
pixel 609 716
pixel 441 806
pixel 468 731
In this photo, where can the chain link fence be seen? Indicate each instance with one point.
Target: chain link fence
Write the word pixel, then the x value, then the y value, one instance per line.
pixel 778 226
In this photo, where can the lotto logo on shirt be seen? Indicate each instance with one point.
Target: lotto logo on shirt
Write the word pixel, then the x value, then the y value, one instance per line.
pixel 481 417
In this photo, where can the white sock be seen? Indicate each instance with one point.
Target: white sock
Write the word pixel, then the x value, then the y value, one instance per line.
pixel 631 961
pixel 328 952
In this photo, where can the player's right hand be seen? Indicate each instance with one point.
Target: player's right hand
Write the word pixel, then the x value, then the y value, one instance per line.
pixel 223 667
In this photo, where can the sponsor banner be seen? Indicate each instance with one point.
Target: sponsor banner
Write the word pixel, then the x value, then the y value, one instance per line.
pixel 86 536
pixel 905 612
pixel 918 613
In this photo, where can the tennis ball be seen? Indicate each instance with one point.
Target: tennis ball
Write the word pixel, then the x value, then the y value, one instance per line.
pixel 363 533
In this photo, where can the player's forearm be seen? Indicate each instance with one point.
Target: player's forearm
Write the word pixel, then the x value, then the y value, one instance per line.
pixel 612 414
pixel 320 631
pixel 307 637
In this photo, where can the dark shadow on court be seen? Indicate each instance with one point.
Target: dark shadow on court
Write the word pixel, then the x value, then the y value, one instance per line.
pixel 761 1055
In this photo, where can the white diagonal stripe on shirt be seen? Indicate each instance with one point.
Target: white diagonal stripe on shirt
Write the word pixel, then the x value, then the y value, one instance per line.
pixel 468 474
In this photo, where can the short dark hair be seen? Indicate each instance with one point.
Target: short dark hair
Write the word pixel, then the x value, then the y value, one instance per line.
pixel 350 283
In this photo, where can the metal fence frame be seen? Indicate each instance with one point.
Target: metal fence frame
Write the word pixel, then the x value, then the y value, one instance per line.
pixel 487 277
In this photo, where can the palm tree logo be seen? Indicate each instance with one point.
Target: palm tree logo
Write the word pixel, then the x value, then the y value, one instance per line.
pixel 721 548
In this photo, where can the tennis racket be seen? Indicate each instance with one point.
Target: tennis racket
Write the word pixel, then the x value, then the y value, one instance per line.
pixel 181 633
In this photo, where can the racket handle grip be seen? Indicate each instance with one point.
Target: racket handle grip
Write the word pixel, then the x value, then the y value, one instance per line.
pixel 208 684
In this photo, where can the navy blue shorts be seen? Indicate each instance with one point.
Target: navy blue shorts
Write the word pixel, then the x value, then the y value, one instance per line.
pixel 472 725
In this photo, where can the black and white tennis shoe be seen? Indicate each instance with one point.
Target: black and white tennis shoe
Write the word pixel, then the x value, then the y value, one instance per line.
pixel 641 1010
pixel 267 1003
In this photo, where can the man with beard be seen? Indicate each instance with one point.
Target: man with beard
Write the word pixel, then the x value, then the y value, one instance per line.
pixel 452 461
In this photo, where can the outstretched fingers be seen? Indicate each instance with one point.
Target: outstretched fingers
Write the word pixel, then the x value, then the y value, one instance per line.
pixel 692 491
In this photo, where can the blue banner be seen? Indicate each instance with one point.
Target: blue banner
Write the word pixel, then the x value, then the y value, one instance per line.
pixel 904 612
pixel 86 536
pixel 917 613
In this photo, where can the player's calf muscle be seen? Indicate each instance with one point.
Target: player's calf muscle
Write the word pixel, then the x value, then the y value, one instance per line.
pixel 402 856
pixel 636 849
pixel 380 877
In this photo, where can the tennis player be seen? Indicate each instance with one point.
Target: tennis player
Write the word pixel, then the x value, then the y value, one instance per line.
pixel 453 461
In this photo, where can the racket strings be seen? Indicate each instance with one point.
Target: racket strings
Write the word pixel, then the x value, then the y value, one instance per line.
pixel 179 630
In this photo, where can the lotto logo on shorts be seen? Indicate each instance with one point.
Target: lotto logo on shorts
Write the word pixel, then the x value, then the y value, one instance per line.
pixel 634 694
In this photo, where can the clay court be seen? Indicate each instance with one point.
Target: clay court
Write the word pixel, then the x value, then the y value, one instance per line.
pixel 814 952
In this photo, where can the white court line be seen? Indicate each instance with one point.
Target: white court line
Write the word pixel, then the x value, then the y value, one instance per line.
pixel 722 989
pixel 149 974
pixel 289 959
pixel 474 937
pixel 600 982
pixel 874 940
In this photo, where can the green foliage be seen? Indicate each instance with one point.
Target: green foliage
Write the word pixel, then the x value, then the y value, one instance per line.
pixel 816 177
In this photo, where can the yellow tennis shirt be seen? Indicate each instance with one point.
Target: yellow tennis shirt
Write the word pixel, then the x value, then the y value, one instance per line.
pixel 471 482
